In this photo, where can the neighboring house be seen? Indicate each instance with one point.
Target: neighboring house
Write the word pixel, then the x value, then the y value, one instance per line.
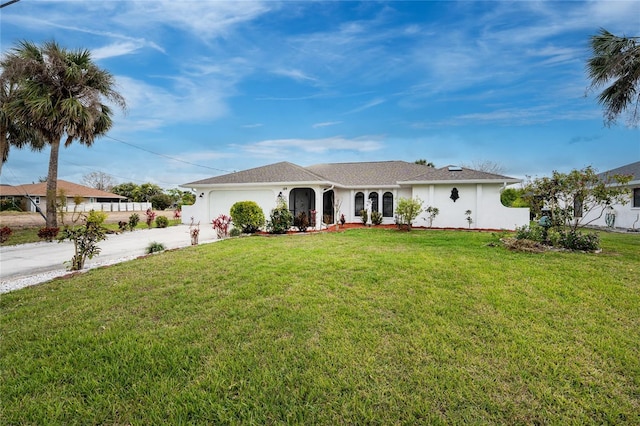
pixel 625 216
pixel 33 197
pixel 331 190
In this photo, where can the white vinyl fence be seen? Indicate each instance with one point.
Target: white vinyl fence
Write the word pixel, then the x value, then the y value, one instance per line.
pixel 107 207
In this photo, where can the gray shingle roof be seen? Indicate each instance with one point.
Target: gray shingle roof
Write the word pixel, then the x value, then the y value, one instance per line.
pixel 272 173
pixel 383 173
pixel 370 174
pixel 632 169
pixel 454 173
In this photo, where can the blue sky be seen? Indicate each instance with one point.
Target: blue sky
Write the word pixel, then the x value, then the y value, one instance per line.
pixel 214 87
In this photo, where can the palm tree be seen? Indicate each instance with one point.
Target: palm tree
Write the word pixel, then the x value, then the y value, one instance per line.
pixel 13 133
pixel 59 94
pixel 617 60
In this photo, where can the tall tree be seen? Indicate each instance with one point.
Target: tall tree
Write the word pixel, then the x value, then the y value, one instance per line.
pixel 60 94
pixel 424 162
pixel 99 180
pixel 616 63
pixel 12 131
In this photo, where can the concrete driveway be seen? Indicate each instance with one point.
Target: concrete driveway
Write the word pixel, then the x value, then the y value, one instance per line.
pixel 30 264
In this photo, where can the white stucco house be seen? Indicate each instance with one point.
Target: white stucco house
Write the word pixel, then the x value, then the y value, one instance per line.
pixel 621 216
pixel 331 190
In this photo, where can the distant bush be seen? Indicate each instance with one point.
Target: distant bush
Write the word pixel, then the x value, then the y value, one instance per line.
pixel 48 234
pixel 134 219
pixel 5 233
pixel 235 232
pixel 97 217
pixel 161 201
pixel 8 205
pixel 162 222
pixel 248 216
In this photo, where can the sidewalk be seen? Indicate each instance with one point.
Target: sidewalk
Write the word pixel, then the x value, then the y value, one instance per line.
pixel 30 264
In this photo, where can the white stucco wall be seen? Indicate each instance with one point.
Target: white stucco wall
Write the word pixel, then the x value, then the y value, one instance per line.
pixel 627 216
pixel 487 212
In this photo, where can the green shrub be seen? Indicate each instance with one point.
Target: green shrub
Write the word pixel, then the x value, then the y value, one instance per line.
pixel 8 205
pixel 5 233
pixel 85 240
pixel 97 217
pixel 376 218
pixel 248 216
pixel 407 210
pixel 364 216
pixel 133 221
pixel 48 234
pixel 574 240
pixel 162 222
pixel 235 232
pixel 155 247
pixel 281 218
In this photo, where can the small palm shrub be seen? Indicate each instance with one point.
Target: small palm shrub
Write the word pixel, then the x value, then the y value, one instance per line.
pixel 162 222
pixel 5 233
pixel 248 216
pixel 155 247
pixel 376 218
pixel 364 217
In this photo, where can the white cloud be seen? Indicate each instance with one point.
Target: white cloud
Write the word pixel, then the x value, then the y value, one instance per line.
pixel 325 124
pixel 282 148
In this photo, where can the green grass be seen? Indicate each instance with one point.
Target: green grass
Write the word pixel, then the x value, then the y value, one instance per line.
pixel 368 326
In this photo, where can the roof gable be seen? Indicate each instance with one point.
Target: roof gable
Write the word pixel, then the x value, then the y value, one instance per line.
pixel 272 173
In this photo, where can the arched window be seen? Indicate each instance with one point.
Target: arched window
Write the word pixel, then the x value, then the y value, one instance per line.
pixel 359 203
pixel 387 204
pixel 373 197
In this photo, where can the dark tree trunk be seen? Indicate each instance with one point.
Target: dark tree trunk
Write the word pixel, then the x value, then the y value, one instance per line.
pixel 52 185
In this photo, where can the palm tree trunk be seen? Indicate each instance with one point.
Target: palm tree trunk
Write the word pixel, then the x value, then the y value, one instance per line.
pixel 52 185
pixel 4 146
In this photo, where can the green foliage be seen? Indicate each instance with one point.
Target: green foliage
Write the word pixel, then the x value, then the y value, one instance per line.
pixel 97 217
pixel 155 247
pixel 575 240
pixel 563 191
pixel 160 201
pixel 5 233
pixel 235 232
pixel 566 238
pixel 85 240
pixel 301 222
pixel 281 218
pixel 127 189
pixel 432 212
pixel 134 219
pixel 512 197
pixel 9 205
pixel 248 216
pixel 162 222
pixel 364 216
pixel 48 233
pixel 181 198
pixel 407 210
pixel 376 218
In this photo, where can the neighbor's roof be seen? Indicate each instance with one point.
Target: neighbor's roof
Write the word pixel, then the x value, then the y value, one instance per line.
pixel 70 189
pixel 632 169
pixel 381 174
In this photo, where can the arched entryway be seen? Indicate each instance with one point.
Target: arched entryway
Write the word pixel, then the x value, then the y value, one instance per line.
pixel 302 200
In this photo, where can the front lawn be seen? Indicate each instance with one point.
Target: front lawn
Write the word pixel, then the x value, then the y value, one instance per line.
pixel 368 326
